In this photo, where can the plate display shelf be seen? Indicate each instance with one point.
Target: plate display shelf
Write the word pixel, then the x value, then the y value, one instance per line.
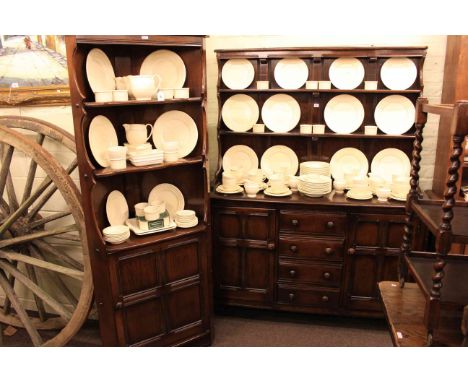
pixel 151 290
pixel 295 253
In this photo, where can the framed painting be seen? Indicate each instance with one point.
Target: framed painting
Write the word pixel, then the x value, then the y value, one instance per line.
pixel 33 70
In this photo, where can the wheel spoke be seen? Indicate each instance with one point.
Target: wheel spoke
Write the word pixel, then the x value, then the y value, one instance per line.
pixel 12 256
pixel 39 304
pixel 23 316
pixel 68 237
pixel 7 303
pixel 48 219
pixel 37 235
pixel 31 172
pixel 41 293
pixel 11 193
pixel 6 162
pixel 46 247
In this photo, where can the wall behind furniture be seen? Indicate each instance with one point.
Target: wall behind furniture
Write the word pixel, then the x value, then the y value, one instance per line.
pixel 432 77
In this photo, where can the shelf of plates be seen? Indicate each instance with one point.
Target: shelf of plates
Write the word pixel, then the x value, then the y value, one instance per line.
pixel 135 278
pixel 321 254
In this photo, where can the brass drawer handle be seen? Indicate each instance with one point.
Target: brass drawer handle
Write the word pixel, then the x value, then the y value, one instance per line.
pixel 325 298
pixel 351 251
pixel 295 222
pixel 292 273
pixel 293 248
pixel 326 275
pixel 329 251
pixel 330 224
pixel 291 296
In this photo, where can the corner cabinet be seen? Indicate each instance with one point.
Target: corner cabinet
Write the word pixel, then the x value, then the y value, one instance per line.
pixel 295 253
pixel 152 290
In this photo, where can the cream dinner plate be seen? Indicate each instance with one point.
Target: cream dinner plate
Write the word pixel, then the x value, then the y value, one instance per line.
pixel 394 114
pixel 99 70
pixel 348 160
pixel 101 135
pixel 344 114
pixel 241 157
pixel 346 73
pixel 116 208
pixel 240 112
pixel 176 126
pixel 398 73
pixel 279 158
pixel 171 195
pixel 168 65
pixel 281 113
pixel 390 162
pixel 291 73
pixel 238 73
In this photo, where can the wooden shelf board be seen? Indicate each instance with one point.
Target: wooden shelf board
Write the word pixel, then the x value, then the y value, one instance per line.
pixel 136 242
pixel 431 215
pixel 325 135
pixel 364 91
pixel 130 169
pixel 139 103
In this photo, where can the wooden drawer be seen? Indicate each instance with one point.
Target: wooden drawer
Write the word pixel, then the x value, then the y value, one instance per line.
pixel 326 248
pixel 312 222
pixel 293 295
pixel 327 275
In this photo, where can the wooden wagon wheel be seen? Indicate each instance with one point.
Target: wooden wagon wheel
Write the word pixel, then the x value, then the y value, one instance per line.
pixel 28 258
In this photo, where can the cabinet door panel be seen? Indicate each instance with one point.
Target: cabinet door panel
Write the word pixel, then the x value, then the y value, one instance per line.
pixel 182 261
pixel 228 266
pixel 228 224
pixel 395 234
pixel 257 268
pixel 258 227
pixel 184 306
pixel 367 234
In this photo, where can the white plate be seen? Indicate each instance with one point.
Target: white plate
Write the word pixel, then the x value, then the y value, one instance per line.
pixel 221 190
pixel 347 160
pixel 395 114
pixel 276 157
pixel 398 198
pixel 168 65
pixel 188 225
pixel 116 208
pixel 390 162
pixel 101 136
pixel 350 195
pixel 344 114
pixel 269 193
pixel 238 73
pixel 346 73
pixel 99 70
pixel 281 113
pixel 241 157
pixel 398 73
pixel 176 126
pixel 291 73
pixel 240 112
pixel 169 194
pixel 135 228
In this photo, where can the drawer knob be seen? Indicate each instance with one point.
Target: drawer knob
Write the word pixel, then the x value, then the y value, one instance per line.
pixel 295 222
pixel 271 245
pixel 351 251
pixel 330 224
pixel 326 275
pixel 329 251
pixel 292 273
pixel 291 296
pixel 293 248
pixel 324 298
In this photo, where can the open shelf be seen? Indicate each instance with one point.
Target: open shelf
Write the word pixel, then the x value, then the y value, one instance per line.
pixel 404 311
pixel 381 91
pixel 106 172
pixel 325 135
pixel 135 242
pixel 139 103
pixel 431 215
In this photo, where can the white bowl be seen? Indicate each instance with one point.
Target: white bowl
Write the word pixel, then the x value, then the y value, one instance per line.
pixel 305 129
pixel 325 85
pixel 116 152
pixel 312 84
pixel 143 87
pixel 370 130
pixel 382 193
pixel 370 85
pixel 118 164
pixel 115 230
pixel 318 129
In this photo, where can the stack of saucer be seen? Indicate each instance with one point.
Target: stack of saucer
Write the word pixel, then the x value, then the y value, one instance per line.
pixel 145 158
pixel 360 189
pixel 314 185
pixel 186 219
pixel 171 151
pixel 116 234
pixel 400 188
pixel 138 149
pixel 314 167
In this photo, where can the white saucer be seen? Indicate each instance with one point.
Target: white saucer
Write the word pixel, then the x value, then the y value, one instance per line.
pixel 398 197
pixel 269 193
pixel 368 196
pixel 188 225
pixel 221 190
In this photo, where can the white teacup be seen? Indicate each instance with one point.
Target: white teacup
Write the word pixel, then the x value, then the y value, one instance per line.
pixel 370 130
pixel 383 193
pixel 152 213
pixel 136 133
pixel 116 152
pixel 263 85
pixel 103 96
pixel 251 188
pixel 349 178
pixel 118 164
pixel 255 175
pixel 325 85
pixel 277 183
pixel 339 185
pixel 318 129
pixel 312 84
pixel 140 210
pixel 370 85
pixel 229 182
pixel 258 128
pixel 305 129
pixel 293 182
pixel 120 83
pixel 182 93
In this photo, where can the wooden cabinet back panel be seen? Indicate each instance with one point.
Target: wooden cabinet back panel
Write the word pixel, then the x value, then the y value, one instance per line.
pixel 313 222
pixel 321 274
pixel 324 248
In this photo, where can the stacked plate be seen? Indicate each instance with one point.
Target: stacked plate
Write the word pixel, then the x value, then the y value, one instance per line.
pixel 186 219
pixel 314 185
pixel 145 158
pixel 314 167
pixel 116 234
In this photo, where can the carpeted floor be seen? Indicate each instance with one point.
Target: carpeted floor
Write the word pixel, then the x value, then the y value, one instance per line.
pixel 254 328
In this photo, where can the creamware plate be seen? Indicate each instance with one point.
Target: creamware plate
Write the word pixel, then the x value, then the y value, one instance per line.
pixel 398 73
pixel 168 65
pixel 344 114
pixel 394 114
pixel 101 136
pixel 171 195
pixel 116 208
pixel 240 157
pixel 240 112
pixel 99 70
pixel 347 160
pixel 346 73
pixel 281 113
pixel 390 162
pixel 278 158
pixel 291 73
pixel 238 73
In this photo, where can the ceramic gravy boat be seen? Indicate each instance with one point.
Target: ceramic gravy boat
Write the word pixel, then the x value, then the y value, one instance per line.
pixel 143 87
pixel 136 133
